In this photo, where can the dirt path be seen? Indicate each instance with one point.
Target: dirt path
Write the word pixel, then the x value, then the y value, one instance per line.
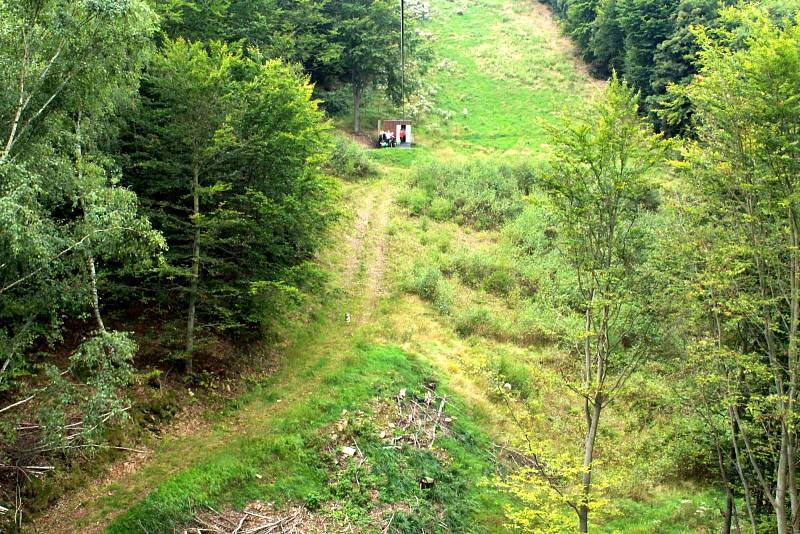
pixel 376 266
pixel 357 260
pixel 363 276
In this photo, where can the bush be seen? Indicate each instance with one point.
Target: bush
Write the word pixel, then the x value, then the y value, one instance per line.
pixel 441 209
pixel 491 272
pixel 349 160
pixel 336 102
pixel 480 194
pixel 415 201
pixel 524 329
pixel 481 321
pixel 427 282
pixel 530 232
pixel 516 374
pixel 537 324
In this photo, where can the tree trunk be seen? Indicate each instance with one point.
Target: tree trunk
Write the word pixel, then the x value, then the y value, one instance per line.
pixel 780 488
pixel 195 269
pixel 89 256
pixel 793 367
pixel 727 518
pixel 739 463
pixel 729 498
pixel 793 498
pixel 95 298
pixel 588 454
pixel 357 108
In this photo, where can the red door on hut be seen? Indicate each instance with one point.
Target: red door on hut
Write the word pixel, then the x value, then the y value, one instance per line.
pixel 395 132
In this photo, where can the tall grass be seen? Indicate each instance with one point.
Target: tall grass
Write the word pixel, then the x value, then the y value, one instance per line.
pixel 480 194
pixel 494 272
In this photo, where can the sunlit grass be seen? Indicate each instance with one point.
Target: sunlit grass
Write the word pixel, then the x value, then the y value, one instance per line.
pixel 502 73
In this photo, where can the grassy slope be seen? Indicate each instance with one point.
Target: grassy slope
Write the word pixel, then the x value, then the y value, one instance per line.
pixel 504 62
pixel 274 445
pixel 503 71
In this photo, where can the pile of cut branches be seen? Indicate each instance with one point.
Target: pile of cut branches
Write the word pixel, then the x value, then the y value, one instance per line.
pixel 418 421
pixel 256 518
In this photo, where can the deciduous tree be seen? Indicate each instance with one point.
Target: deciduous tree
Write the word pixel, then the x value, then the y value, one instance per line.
pixel 599 182
pixel 744 169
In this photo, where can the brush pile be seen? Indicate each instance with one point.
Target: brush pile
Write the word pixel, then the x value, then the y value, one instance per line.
pixel 416 421
pixel 257 518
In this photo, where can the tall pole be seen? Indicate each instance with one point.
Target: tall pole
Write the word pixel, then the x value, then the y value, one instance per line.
pixel 403 56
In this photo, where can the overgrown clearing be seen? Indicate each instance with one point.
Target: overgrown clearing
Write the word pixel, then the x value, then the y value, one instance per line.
pixel 433 265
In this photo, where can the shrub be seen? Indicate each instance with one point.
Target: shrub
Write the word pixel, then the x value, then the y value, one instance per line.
pixel 527 176
pixel 441 208
pixel 439 239
pixel 516 374
pixel 415 201
pixel 523 329
pixel 490 272
pixel 540 324
pixel 349 160
pixel 336 102
pixel 480 321
pixel 480 194
pixel 443 300
pixel 427 282
pixel 529 232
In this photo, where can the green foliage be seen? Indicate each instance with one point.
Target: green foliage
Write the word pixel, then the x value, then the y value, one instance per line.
pixel 253 142
pixel 335 42
pixel 647 42
pixel 479 321
pixel 60 202
pixel 530 232
pixel 480 194
pixel 66 224
pixel 365 32
pixel 349 160
pixel 492 273
pixel 296 32
pixel 742 172
pixel 428 283
pixel 671 65
pixel 599 188
pixel 673 512
pixel 100 368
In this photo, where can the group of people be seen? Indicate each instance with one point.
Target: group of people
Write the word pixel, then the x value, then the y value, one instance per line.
pixel 387 138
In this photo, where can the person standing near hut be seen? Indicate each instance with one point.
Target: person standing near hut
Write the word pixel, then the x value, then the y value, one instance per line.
pixel 402 134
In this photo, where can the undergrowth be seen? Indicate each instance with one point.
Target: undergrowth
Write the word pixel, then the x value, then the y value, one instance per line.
pixel 480 194
pixel 288 459
pixel 350 161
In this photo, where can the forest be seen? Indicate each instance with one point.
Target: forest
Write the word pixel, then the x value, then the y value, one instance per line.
pixel 572 306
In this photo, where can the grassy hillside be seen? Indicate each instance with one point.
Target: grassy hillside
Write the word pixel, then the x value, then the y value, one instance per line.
pixel 443 316
pixel 502 71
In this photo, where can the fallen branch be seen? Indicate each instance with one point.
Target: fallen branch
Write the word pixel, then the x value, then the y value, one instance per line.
pixel 389 524
pixel 438 417
pixel 241 522
pixel 23 401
